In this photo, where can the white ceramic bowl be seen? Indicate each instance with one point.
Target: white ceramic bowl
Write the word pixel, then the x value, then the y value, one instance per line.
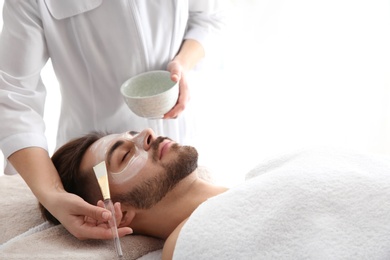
pixel 150 94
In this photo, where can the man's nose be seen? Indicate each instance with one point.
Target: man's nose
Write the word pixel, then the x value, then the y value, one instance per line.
pixel 145 139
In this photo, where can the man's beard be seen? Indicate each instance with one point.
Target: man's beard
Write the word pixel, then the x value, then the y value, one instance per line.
pixel 148 193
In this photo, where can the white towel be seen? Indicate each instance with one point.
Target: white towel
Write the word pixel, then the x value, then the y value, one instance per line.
pixel 317 204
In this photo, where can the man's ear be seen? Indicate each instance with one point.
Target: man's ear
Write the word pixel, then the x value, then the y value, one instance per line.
pixel 127 218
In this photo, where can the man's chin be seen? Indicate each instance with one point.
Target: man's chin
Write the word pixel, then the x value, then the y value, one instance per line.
pixel 188 160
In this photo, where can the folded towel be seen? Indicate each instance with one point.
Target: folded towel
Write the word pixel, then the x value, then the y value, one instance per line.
pixel 25 235
pixel 316 204
pixel 57 243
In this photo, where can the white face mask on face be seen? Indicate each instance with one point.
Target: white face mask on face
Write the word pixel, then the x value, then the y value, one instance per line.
pixel 139 156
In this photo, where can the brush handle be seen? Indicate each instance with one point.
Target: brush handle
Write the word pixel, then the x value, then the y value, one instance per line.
pixel 112 222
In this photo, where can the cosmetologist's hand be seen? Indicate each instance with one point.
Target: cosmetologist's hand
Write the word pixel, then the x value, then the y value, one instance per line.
pixel 83 220
pixel 178 75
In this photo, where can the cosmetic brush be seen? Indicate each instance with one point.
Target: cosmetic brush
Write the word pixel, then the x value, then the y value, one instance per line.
pixel 101 175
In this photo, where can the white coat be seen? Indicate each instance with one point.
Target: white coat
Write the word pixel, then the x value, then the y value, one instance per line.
pixel 94 46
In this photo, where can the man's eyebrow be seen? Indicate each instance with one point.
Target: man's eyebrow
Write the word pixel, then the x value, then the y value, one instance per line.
pixel 112 150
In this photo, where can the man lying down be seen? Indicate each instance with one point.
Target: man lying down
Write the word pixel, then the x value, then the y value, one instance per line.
pixel 309 205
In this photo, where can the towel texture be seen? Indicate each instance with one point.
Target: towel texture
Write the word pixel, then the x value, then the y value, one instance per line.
pixel 312 204
pixel 16 199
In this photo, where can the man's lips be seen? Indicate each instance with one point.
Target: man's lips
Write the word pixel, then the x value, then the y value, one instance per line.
pixel 165 145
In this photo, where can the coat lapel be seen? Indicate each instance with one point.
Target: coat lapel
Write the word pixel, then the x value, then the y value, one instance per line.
pixel 61 9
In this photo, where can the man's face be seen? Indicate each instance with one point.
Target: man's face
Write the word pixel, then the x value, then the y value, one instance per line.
pixel 141 168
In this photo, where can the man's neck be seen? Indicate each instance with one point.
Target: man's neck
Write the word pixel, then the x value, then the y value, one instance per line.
pixel 174 208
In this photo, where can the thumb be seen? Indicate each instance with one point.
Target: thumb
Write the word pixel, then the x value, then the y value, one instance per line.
pixel 175 76
pixel 97 213
pixel 175 69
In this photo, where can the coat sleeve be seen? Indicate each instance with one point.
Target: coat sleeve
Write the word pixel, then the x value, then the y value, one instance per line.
pixel 206 21
pixel 23 54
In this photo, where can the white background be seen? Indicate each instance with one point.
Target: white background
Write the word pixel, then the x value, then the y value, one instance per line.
pixel 293 74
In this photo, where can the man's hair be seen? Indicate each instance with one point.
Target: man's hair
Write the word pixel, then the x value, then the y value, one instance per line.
pixel 67 160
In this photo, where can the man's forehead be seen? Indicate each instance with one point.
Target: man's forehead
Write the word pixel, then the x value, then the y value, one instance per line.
pixel 106 140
